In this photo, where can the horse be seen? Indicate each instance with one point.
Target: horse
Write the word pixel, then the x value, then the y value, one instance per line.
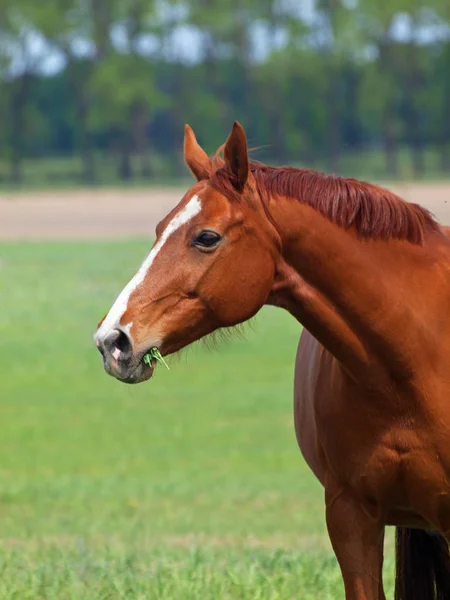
pixel 368 276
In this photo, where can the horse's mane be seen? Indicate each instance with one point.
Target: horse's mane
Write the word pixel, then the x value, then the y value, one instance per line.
pixel 372 211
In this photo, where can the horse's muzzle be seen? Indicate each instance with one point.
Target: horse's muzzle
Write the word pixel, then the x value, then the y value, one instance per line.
pixel 119 359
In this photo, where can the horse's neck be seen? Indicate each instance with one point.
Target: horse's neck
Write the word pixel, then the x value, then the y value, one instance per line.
pixel 356 297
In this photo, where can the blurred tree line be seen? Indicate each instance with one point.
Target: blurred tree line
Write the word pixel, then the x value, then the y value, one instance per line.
pixel 313 79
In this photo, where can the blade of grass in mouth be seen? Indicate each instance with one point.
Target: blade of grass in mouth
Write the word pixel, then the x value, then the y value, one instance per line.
pixel 154 355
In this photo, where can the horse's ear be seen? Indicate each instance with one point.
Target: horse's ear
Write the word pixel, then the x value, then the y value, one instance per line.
pixel 194 155
pixel 236 155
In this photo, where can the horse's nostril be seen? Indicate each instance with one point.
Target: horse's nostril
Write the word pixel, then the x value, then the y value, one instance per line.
pixel 123 343
pixel 118 342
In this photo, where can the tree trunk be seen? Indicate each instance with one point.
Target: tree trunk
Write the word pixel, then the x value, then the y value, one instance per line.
pixel 333 109
pixel 217 85
pixel 18 104
pixel 333 96
pixel 276 120
pixel 140 138
pixel 390 143
pixel 418 162
pixel 413 85
pixel 87 157
pixel 125 169
pixel 389 116
pixel 79 75
pixel 444 142
pixel 211 64
pixel 444 155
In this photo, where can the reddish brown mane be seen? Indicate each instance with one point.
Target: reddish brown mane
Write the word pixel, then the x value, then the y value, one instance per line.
pixel 372 210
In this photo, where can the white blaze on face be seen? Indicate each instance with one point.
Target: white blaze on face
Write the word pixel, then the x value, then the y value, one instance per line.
pixel 112 319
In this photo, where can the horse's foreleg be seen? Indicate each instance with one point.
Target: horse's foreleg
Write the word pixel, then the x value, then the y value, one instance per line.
pixel 357 540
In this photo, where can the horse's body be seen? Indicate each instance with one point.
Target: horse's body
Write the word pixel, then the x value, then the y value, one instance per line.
pixel 390 457
pixel 381 463
pixel 369 277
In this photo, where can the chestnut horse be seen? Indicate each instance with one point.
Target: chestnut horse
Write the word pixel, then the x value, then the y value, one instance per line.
pixel 368 275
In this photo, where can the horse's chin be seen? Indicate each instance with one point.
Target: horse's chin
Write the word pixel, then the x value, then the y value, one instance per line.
pixel 142 373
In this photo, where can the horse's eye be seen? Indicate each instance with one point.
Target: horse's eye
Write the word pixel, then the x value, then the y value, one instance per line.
pixel 207 239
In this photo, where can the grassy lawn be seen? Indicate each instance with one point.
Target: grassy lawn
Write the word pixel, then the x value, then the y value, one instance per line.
pixel 189 486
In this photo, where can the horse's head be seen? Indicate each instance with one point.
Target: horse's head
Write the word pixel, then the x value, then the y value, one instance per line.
pixel 212 265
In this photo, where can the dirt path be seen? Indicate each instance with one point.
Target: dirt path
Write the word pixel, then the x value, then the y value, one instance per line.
pixel 84 214
pixel 118 213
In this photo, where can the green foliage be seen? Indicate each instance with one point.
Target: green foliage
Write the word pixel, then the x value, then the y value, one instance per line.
pixel 309 84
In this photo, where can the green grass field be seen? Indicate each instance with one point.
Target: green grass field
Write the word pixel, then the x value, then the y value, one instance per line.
pixel 188 487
